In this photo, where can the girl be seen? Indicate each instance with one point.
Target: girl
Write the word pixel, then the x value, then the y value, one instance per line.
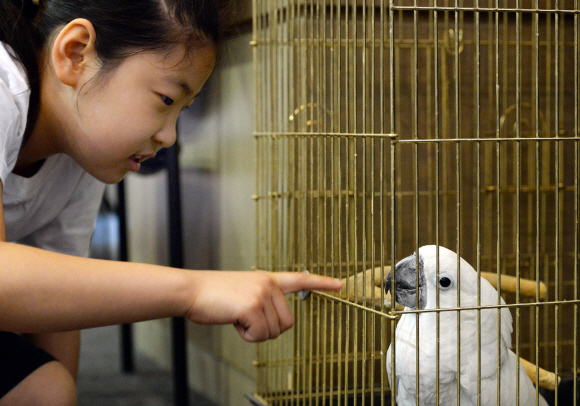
pixel 88 90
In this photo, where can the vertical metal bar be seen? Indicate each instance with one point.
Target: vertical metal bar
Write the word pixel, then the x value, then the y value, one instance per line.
pixel 341 309
pixel 457 84
pixel 545 176
pixel 518 187
pixel 576 204
pixel 428 117
pixel 363 186
pixel 268 194
pixel 301 79
pixel 445 117
pixel 340 233
pixel 265 50
pixel 393 189
pixel 288 167
pixel 498 200
pixel 477 103
pixel 259 227
pixel 437 187
pixel 373 188
pixel 280 347
pixel 354 216
pixel 557 147
pixel 309 43
pixel 349 16
pixel 537 190
pixel 383 190
pixel 415 125
pixel 302 230
pixel 490 118
pixel 335 191
pixel 276 169
pixel 323 179
pixel 393 254
pixel 255 28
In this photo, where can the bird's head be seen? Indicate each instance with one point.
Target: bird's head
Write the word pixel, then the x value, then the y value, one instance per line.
pixel 429 273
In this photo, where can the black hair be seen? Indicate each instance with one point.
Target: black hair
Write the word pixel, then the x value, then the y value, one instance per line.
pixel 123 28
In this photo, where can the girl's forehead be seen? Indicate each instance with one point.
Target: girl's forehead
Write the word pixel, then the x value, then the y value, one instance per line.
pixel 178 58
pixel 190 70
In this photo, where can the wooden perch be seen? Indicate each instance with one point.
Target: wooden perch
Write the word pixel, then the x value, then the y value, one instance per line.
pixel 547 378
pixel 509 284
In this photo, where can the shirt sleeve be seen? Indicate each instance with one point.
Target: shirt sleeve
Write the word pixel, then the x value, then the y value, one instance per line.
pixel 71 231
pixel 10 131
pixel 14 100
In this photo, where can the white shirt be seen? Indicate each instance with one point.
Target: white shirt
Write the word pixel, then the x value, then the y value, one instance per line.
pixel 56 208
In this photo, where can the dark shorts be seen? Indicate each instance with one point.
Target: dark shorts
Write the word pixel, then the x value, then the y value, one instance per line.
pixel 18 359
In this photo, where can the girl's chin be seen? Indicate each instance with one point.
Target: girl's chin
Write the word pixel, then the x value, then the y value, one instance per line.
pixel 111 171
pixel 109 177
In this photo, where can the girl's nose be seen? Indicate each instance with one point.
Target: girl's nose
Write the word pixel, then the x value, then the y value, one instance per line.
pixel 167 135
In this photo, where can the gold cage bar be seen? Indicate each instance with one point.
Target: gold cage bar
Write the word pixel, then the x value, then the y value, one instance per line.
pixel 385 125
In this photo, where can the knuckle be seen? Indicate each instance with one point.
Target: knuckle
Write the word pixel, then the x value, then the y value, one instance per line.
pixel 269 283
pixel 254 304
pixel 263 292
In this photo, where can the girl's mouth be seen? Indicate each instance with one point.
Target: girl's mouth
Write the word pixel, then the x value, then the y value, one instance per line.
pixel 135 162
pixel 139 158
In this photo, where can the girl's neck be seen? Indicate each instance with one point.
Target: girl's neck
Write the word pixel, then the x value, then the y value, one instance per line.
pixel 43 141
pixel 37 148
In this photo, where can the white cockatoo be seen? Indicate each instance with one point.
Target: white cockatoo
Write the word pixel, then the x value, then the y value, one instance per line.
pixel 458 376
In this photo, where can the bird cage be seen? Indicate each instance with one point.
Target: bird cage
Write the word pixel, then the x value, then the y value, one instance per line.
pixel 386 125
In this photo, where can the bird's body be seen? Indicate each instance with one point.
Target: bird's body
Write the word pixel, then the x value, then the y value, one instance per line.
pixel 459 375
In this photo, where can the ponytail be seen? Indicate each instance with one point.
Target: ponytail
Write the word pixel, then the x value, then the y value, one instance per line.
pixel 18 30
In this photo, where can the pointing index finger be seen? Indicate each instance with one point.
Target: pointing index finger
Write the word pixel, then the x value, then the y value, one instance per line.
pixel 291 282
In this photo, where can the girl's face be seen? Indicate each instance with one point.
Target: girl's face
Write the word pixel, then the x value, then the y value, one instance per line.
pixel 128 116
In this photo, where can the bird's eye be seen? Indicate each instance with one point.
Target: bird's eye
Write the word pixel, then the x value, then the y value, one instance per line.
pixel 444 282
pixel 167 100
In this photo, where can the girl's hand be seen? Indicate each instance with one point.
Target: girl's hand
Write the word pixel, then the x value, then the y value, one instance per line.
pixel 252 301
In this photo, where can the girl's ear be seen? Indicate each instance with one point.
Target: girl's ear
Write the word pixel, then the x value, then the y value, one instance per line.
pixel 73 51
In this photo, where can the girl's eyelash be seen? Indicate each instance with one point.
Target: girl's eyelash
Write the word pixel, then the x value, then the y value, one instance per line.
pixel 167 100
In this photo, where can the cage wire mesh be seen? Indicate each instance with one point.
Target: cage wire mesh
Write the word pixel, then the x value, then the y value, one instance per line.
pixel 382 126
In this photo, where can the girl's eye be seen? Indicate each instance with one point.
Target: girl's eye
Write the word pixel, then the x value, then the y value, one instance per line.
pixel 167 100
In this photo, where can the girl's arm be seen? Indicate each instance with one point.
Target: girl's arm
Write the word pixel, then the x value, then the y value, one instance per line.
pixel 41 291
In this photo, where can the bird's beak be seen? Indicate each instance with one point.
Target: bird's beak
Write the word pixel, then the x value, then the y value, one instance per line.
pixel 405 290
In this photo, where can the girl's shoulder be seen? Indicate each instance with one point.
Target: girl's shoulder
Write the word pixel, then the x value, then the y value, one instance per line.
pixel 14 101
pixel 12 73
